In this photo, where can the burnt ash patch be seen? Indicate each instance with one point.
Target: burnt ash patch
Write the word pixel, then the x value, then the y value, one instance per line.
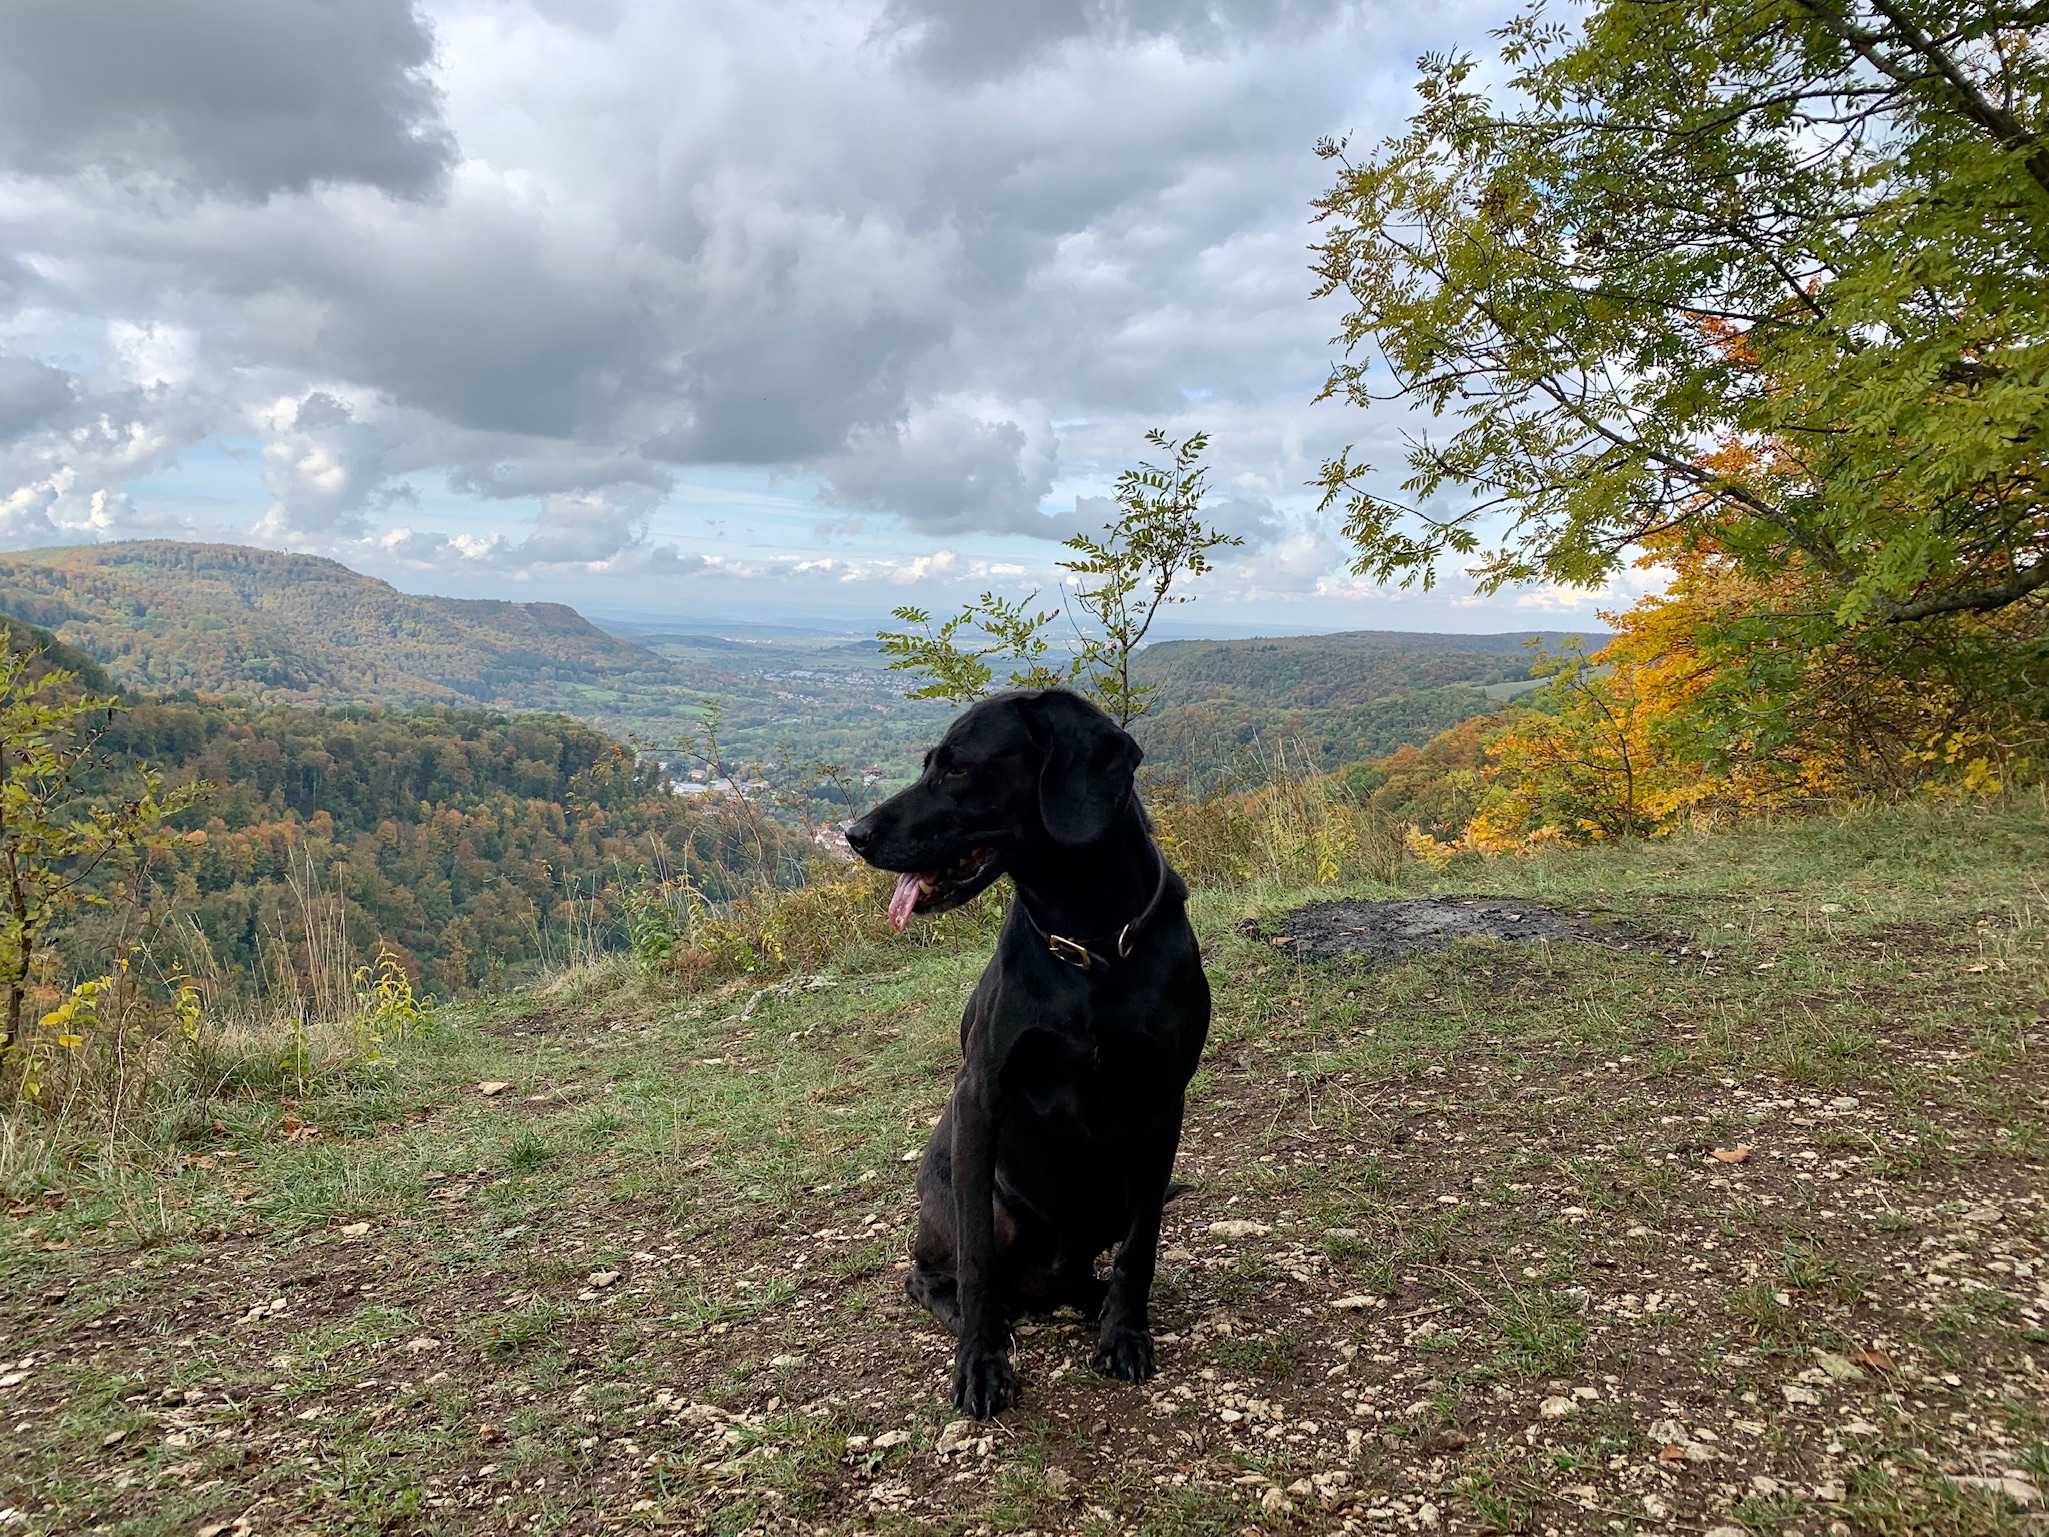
pixel 1379 932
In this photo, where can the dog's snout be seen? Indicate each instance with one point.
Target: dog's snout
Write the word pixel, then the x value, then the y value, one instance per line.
pixel 861 835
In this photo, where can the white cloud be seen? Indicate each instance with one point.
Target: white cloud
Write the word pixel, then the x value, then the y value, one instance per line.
pixel 943 261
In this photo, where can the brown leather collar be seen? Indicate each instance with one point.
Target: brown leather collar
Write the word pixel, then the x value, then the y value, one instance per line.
pixel 1087 955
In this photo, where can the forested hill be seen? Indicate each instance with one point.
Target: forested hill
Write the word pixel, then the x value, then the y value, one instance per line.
pixel 1353 667
pixel 163 616
pixel 470 842
pixel 270 628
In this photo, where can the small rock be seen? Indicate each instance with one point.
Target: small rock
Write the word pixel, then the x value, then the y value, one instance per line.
pixel 355 1230
pixel 1556 1407
pixel 598 1280
pixel 1656 1507
pixel 1795 1394
pixel 1428 1516
pixel 1354 1302
pixel 1301 1489
pixel 114 1438
pixel 421 1345
pixel 1059 1482
pixel 1725 1531
pixel 488 1432
pixel 886 1440
pixel 2016 1488
pixel 1238 1227
pixel 1275 1502
pixel 954 1435
pixel 1985 1216
pixel 492 1090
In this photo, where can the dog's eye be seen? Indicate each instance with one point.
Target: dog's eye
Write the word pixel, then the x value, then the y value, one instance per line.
pixel 954 771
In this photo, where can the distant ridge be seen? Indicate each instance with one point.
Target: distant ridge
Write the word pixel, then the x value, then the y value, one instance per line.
pixel 163 616
pixel 1347 669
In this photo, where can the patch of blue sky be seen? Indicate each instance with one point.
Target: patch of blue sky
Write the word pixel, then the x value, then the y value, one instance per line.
pixel 216 486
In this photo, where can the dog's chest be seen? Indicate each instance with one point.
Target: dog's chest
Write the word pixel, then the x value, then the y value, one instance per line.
pixel 1073 1077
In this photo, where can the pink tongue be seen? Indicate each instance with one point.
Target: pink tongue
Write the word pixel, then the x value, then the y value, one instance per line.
pixel 903 899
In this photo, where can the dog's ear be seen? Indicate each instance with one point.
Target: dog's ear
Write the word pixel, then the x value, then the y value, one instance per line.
pixel 1087 777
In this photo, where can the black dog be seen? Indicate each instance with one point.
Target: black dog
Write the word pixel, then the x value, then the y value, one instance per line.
pixel 1077 1044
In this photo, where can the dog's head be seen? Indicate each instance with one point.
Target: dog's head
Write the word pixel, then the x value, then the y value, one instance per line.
pixel 1012 775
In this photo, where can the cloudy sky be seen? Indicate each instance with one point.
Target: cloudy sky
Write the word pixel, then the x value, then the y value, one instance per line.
pixel 709 308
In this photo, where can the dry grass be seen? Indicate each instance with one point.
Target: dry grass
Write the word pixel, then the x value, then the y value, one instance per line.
pixel 1297 829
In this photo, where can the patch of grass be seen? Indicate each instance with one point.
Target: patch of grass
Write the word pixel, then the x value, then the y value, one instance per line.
pixel 734 1152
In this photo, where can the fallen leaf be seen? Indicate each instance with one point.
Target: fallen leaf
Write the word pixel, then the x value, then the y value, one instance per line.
pixel 1556 1407
pixel 1874 1358
pixel 1737 1154
pixel 489 1089
pixel 355 1230
pixel 489 1432
pixel 114 1438
pixel 1672 1453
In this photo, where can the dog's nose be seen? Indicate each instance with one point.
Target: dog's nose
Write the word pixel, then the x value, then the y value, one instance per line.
pixel 861 835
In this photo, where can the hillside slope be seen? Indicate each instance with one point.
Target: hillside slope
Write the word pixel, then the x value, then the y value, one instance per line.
pixel 1349 668
pixel 163 616
pixel 1743 1228
pixel 281 629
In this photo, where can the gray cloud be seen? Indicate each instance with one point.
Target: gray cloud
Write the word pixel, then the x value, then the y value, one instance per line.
pixel 324 470
pixel 945 472
pixel 221 94
pixel 844 243
pixel 30 394
pixel 978 40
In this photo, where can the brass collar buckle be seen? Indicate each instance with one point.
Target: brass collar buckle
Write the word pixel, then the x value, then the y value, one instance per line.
pixel 1070 951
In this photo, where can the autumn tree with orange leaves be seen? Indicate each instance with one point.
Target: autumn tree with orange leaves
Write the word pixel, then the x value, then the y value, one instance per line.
pixel 1755 289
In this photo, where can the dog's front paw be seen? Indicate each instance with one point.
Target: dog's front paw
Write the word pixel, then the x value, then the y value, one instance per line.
pixel 983 1383
pixel 1125 1353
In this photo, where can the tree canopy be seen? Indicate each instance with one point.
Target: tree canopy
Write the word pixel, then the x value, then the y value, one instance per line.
pixel 1771 272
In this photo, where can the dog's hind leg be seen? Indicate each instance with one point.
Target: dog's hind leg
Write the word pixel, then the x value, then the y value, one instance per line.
pixel 938 1293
